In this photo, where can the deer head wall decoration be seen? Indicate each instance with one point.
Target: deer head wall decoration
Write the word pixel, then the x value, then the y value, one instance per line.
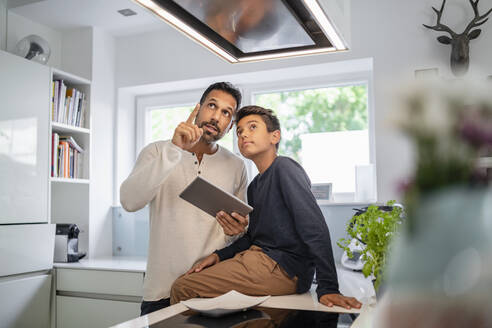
pixel 460 48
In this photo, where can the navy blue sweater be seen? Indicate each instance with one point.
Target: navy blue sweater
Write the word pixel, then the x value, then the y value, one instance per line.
pixel 288 225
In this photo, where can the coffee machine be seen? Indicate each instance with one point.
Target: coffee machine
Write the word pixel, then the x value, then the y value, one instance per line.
pixel 67 243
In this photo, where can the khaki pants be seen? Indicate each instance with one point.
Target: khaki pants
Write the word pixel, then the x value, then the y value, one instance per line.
pixel 250 272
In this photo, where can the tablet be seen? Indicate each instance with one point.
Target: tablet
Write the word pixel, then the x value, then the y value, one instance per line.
pixel 213 199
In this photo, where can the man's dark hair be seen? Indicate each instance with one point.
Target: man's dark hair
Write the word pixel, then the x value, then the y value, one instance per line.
pixel 226 87
pixel 267 115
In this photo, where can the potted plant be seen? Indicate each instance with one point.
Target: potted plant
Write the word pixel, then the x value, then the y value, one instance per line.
pixel 374 229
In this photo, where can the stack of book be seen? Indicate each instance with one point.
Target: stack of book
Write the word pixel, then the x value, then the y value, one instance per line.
pixel 66 157
pixel 68 104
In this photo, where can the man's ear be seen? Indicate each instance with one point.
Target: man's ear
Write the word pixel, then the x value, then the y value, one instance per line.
pixel 275 137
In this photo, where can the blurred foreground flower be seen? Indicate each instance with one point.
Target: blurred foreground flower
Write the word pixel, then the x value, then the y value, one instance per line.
pixel 440 268
pixel 450 127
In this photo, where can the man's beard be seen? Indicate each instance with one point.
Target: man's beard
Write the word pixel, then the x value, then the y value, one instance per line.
pixel 207 136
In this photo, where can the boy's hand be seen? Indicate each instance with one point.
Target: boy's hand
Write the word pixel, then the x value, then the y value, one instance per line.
pixel 205 263
pixel 232 225
pixel 340 300
pixel 187 134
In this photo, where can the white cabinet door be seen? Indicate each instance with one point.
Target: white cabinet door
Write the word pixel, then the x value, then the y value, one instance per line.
pixel 26 248
pixel 74 312
pixel 100 282
pixel 25 302
pixel 24 140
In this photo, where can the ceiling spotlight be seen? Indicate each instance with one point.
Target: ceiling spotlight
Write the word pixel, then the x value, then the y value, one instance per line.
pixel 127 12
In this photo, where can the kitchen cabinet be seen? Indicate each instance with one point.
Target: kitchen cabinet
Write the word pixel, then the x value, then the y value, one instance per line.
pixel 24 146
pixel 75 312
pixel 25 301
pixel 26 237
pixel 96 297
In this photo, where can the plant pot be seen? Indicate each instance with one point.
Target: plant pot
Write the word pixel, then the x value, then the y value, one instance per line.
pixel 440 273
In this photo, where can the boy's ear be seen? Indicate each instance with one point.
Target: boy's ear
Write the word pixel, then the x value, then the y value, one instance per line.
pixel 275 137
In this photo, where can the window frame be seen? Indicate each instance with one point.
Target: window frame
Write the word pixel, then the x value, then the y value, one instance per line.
pixel 349 79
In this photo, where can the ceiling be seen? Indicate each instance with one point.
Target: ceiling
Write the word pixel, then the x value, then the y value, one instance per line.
pixel 69 14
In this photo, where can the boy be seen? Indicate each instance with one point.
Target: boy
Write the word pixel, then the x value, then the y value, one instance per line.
pixel 287 237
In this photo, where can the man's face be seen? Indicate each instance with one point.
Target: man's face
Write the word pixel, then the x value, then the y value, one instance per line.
pixel 215 115
pixel 253 136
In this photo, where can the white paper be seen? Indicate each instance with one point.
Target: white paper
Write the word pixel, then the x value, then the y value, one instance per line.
pixel 232 301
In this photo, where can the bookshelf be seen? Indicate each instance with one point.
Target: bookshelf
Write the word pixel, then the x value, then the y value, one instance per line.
pixel 70 196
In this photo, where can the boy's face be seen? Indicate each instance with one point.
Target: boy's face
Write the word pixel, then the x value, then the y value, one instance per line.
pixel 254 138
pixel 215 115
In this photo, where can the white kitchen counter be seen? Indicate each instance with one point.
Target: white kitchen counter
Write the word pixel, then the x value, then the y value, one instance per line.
pixel 115 263
pixel 351 283
pixel 307 301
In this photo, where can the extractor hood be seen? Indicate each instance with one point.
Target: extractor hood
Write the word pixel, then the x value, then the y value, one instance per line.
pixel 252 30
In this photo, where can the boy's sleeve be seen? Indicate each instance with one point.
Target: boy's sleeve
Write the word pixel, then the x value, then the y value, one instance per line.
pixel 239 245
pixel 310 225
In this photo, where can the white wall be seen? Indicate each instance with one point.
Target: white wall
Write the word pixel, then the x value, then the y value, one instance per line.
pixel 102 107
pixel 77 51
pixel 3 25
pixel 389 31
pixel 19 27
pixel 125 141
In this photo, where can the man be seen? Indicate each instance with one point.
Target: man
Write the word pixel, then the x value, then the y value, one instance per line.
pixel 181 234
pixel 287 237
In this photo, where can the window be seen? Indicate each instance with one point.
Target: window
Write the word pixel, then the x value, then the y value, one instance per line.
pixel 325 130
pixel 324 110
pixel 163 122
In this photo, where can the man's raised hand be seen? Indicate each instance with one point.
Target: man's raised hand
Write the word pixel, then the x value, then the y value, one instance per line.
pixel 187 134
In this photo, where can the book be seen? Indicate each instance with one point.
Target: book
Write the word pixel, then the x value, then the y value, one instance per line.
pixel 61 101
pixel 56 101
pixel 52 99
pixel 70 97
pixel 71 141
pixel 54 154
pixel 75 108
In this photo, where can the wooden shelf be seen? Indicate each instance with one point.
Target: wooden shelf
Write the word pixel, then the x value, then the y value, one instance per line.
pixel 65 128
pixel 69 180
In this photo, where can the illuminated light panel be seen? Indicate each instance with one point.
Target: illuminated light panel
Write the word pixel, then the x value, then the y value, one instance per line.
pixel 325 24
pixel 179 24
pixel 312 5
pixel 287 54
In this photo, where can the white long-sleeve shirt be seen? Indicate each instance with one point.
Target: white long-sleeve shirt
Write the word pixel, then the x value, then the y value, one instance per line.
pixel 180 234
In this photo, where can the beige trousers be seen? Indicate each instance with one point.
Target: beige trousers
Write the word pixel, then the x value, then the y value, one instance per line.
pixel 250 272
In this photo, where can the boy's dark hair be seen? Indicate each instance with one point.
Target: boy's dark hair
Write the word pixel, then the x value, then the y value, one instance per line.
pixel 226 87
pixel 267 115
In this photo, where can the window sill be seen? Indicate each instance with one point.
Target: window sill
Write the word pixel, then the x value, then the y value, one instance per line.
pixel 322 202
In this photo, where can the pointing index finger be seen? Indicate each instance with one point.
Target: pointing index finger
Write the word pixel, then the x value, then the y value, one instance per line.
pixel 193 114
